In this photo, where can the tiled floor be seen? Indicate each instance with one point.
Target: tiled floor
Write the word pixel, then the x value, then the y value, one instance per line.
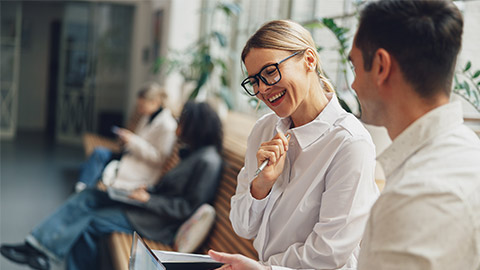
pixel 35 177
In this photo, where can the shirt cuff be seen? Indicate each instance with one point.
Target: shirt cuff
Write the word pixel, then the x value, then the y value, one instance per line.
pixel 257 205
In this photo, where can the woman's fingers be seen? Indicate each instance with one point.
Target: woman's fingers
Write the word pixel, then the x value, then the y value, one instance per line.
pixel 221 257
pixel 272 150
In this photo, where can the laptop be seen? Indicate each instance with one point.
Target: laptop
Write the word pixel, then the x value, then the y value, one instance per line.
pixel 121 195
pixel 143 258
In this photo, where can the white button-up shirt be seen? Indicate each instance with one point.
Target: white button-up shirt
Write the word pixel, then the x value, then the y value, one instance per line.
pixel 428 216
pixel 316 212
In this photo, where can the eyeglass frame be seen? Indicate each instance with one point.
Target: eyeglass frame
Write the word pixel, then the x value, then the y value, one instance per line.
pixel 256 76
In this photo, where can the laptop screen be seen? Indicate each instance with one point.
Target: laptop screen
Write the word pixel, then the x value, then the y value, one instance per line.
pixel 142 257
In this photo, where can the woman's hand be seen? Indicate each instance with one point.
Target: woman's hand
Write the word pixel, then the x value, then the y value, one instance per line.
pixel 236 261
pixel 140 194
pixel 125 135
pixel 275 152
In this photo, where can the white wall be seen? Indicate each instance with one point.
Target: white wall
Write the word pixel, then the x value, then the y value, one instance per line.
pixel 141 41
pixel 183 23
pixel 34 63
pixel 180 29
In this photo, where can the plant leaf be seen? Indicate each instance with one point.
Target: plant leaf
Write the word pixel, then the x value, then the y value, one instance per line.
pixel 467 66
pixel 477 99
pixel 477 73
pixel 344 105
pixel 227 97
pixel 221 38
pixel 158 64
pixel 314 25
pixel 230 8
pixel 466 87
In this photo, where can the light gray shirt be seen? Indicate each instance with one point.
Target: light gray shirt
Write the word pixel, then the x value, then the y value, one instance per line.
pixel 428 215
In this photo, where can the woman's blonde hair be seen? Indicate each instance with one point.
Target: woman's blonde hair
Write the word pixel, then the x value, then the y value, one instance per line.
pixel 152 91
pixel 289 36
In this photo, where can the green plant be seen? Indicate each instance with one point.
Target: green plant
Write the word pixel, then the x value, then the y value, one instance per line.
pixel 204 61
pixel 467 85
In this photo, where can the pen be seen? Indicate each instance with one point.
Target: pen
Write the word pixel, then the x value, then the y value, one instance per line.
pixel 265 162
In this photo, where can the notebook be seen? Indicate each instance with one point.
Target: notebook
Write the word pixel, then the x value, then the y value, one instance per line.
pixel 143 258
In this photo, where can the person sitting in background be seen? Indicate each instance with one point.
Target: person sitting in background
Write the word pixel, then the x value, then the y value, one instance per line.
pixel 73 231
pixel 143 151
pixel 309 206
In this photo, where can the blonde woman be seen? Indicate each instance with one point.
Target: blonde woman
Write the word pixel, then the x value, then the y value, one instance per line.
pixel 308 207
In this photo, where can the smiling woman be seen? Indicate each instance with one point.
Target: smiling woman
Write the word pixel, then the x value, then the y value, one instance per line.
pixel 314 195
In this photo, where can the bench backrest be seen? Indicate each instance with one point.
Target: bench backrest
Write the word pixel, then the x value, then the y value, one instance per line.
pixel 222 237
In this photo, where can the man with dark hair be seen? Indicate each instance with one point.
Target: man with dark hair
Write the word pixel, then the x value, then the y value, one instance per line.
pixel 428 216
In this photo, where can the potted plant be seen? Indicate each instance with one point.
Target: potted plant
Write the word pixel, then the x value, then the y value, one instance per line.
pixel 204 63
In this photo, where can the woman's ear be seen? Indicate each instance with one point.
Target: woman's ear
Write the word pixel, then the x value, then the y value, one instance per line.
pixel 310 59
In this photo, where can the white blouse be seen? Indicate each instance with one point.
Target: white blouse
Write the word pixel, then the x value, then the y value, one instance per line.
pixel 316 212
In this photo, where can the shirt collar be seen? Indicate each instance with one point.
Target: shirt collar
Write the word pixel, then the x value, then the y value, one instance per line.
pixel 153 115
pixel 310 132
pixel 434 123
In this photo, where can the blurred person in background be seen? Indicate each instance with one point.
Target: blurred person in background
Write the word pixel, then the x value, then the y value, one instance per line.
pixel 144 151
pixel 72 232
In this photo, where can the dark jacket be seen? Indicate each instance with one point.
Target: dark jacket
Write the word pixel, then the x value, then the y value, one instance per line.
pixel 177 195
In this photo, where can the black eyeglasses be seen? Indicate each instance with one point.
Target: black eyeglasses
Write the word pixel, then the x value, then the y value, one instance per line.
pixel 269 75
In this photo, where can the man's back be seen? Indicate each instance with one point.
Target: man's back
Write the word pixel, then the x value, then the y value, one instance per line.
pixel 428 216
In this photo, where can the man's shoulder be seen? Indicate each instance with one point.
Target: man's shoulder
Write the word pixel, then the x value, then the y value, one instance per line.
pixel 445 167
pixel 454 152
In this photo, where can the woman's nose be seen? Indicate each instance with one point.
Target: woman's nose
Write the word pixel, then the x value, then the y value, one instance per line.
pixel 263 87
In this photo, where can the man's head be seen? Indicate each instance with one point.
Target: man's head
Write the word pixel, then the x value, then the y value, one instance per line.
pixel 418 39
pixel 423 36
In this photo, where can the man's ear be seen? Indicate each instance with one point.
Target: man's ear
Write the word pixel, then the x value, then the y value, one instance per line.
pixel 310 59
pixel 382 65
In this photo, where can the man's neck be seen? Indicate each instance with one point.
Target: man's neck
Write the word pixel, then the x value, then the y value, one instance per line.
pixel 407 110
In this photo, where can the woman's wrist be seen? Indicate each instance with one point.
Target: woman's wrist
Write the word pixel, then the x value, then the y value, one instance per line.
pixel 259 189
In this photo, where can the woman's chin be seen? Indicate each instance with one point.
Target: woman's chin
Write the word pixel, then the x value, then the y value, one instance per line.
pixel 281 112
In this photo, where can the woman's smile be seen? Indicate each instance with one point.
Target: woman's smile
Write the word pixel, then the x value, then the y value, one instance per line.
pixel 276 99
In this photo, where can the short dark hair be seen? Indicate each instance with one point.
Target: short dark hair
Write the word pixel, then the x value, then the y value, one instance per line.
pixel 200 126
pixel 423 36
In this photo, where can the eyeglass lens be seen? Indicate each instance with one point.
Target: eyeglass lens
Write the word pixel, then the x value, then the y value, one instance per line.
pixel 269 75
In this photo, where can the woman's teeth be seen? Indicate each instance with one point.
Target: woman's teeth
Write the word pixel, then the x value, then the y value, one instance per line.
pixel 277 96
